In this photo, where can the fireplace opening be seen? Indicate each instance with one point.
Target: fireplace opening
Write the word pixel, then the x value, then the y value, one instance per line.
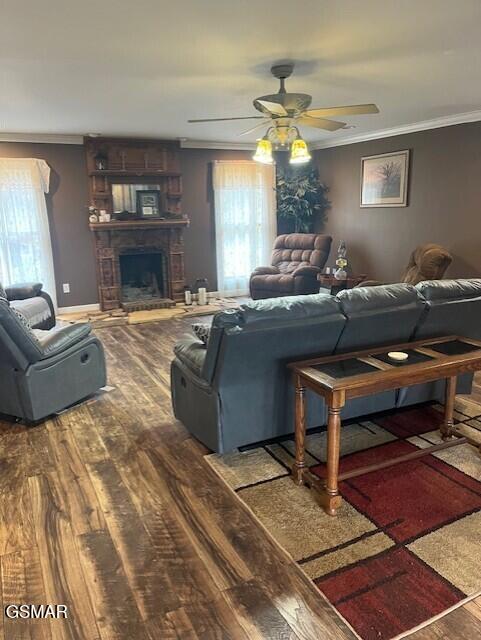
pixel 143 276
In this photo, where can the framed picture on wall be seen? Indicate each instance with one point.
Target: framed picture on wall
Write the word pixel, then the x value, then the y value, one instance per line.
pixel 384 180
pixel 149 203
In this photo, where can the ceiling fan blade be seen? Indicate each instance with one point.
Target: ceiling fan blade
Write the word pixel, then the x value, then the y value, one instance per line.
pixel 348 110
pixel 320 123
pixel 224 119
pixel 273 107
pixel 258 126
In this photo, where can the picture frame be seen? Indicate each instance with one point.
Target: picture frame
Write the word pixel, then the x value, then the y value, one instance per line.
pixel 384 180
pixel 149 203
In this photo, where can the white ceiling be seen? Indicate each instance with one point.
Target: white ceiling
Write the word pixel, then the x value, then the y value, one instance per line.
pixel 143 68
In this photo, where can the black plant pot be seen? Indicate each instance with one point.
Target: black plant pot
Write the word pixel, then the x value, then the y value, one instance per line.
pixel 291 225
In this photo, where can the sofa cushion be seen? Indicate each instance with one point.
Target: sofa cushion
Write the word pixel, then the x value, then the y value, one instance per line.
pixel 367 299
pixel 292 309
pixel 439 290
pixel 387 314
pixel 54 341
pixel 288 266
pixel 453 307
pixel 280 282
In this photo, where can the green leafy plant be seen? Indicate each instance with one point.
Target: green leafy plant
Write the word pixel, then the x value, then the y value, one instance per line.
pixel 301 197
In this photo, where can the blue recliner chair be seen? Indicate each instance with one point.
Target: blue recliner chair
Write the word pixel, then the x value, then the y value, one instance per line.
pixel 34 303
pixel 43 372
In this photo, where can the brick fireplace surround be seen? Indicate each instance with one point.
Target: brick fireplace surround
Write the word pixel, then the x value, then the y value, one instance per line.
pixel 114 238
pixel 137 162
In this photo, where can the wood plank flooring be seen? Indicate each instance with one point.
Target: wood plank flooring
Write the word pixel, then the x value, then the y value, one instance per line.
pixel 111 510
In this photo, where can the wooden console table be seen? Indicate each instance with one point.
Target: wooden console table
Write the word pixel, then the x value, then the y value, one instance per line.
pixel 362 373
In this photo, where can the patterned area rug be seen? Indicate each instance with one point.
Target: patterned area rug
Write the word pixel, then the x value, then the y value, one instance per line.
pixel 406 544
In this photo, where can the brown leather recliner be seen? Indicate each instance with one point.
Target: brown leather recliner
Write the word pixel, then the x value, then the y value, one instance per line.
pixel 427 262
pixel 297 258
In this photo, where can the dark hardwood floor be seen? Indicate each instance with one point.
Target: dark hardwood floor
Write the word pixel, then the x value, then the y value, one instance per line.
pixel 111 510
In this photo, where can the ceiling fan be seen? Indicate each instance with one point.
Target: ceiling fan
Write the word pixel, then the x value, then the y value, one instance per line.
pixel 283 111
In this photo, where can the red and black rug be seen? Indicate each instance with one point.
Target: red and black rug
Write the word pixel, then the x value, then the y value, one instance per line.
pixel 406 544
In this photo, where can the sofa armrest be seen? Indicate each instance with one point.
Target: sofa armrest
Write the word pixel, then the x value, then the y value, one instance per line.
pixel 306 271
pixel 54 342
pixel 50 323
pixel 191 352
pixel 23 291
pixel 265 271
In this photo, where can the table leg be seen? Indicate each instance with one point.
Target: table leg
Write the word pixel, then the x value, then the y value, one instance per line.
pixel 332 499
pixel 300 431
pixel 450 395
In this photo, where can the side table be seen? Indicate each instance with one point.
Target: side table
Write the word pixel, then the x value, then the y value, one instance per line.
pixel 329 281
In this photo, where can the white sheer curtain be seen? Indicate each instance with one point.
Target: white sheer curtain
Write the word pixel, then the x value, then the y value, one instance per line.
pixel 245 221
pixel 25 247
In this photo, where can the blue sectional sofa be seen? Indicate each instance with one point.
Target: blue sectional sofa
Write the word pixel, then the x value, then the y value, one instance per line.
pixel 237 391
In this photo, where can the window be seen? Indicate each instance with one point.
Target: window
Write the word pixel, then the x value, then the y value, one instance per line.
pixel 25 248
pixel 245 221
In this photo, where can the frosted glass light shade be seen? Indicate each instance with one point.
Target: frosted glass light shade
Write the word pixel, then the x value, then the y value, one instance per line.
pixel 299 152
pixel 263 152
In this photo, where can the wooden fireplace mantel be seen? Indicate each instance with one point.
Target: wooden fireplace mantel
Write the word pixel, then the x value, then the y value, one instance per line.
pixel 126 225
pixel 132 161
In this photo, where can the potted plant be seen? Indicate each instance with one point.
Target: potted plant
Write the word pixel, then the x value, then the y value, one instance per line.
pixel 301 198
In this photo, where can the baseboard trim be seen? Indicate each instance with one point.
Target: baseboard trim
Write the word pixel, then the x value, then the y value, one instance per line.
pixel 79 308
pixel 237 293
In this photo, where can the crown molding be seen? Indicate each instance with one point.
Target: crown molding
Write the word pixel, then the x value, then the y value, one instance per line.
pixel 208 144
pixel 424 125
pixel 45 138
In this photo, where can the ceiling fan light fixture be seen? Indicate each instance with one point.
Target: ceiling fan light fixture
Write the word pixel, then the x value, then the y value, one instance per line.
pixel 299 151
pixel 263 152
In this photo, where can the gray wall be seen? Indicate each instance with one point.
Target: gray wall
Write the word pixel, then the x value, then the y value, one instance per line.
pixel 67 203
pixel 444 202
